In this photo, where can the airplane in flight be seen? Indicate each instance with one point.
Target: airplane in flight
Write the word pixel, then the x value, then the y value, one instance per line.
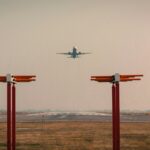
pixel 74 53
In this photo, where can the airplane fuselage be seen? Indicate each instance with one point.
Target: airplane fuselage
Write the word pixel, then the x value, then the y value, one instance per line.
pixel 74 53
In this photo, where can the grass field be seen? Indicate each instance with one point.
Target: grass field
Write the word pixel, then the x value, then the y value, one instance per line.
pixel 77 136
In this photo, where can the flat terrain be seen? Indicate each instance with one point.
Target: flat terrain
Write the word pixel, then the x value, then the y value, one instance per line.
pixel 77 135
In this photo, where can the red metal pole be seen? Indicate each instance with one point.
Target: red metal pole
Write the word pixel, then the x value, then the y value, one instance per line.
pixel 13 117
pixel 114 116
pixel 9 116
pixel 117 117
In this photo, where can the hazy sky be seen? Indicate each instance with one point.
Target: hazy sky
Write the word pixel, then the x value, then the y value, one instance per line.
pixel 117 33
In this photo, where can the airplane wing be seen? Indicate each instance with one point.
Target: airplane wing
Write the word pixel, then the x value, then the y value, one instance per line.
pixel 64 53
pixel 80 53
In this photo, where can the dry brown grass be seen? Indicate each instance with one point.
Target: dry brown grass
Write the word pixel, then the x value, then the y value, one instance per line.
pixel 77 136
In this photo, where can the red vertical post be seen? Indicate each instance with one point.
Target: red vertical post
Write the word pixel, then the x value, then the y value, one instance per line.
pixel 117 116
pixel 13 117
pixel 9 116
pixel 113 116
